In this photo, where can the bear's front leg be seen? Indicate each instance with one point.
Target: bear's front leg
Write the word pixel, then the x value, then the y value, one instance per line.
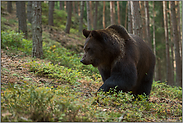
pixel 125 79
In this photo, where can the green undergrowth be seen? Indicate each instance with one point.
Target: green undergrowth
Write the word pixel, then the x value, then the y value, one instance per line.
pixel 27 101
pixel 52 51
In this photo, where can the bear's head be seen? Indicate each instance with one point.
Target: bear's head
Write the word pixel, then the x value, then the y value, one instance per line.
pixel 94 48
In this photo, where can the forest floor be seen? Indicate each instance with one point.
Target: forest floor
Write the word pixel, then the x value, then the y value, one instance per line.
pixel 32 87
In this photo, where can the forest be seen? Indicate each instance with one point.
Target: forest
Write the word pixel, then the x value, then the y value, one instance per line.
pixel 42 78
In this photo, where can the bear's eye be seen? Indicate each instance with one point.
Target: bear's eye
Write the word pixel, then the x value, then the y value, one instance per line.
pixel 88 49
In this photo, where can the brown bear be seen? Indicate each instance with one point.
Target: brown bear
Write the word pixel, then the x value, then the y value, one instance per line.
pixel 124 60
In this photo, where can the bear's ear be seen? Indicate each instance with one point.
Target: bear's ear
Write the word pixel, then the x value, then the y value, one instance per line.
pixel 86 33
pixel 96 35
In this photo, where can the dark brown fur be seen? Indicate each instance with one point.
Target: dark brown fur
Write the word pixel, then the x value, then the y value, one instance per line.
pixel 123 60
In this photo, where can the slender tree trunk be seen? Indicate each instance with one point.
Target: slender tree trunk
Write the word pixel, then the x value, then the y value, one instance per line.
pixel 112 16
pixel 154 41
pixel 81 17
pixel 95 16
pixel 79 10
pixel 103 22
pixel 148 37
pixel 168 64
pixel 51 10
pixel 143 20
pixel 119 22
pixel 22 24
pixel 176 45
pixel 74 9
pixel 136 18
pixel 69 14
pixel 65 5
pixel 29 11
pixel 179 25
pixel 91 14
pixel 17 9
pixel 9 6
pixel 37 50
pixel 172 43
pixel 88 15
pixel 129 18
pixel 126 15
pixel 61 6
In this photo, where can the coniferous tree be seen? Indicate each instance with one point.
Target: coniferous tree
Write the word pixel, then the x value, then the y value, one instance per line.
pixel 119 21
pixel 29 11
pixel 95 16
pixel 88 16
pixel 176 45
pixel 9 6
pixel 112 12
pixel 81 17
pixel 69 14
pixel 147 27
pixel 22 24
pixel 103 21
pixel 37 50
pixel 168 64
pixel 50 14
pixel 136 18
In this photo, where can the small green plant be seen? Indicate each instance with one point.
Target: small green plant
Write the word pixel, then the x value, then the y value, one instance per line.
pixel 11 39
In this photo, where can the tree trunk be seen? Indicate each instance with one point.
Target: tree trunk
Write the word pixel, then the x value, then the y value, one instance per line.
pixel 172 43
pixel 112 15
pixel 51 10
pixel 22 25
pixel 126 15
pixel 29 11
pixel 73 6
pixel 179 25
pixel 81 17
pixel 142 8
pixel 17 9
pixel 61 6
pixel 168 64
pixel 119 22
pixel 91 14
pixel 9 6
pixel 88 15
pixel 148 35
pixel 154 41
pixel 103 22
pixel 136 18
pixel 129 18
pixel 95 16
pixel 37 50
pixel 69 14
pixel 79 10
pixel 65 5
pixel 176 45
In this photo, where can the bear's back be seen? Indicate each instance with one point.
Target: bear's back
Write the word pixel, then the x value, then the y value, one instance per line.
pixel 120 30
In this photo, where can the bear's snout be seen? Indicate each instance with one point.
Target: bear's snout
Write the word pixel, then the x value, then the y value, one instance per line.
pixel 82 61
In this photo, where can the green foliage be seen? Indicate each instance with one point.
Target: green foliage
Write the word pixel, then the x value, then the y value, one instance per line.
pixel 15 41
pixel 62 56
pixel 166 91
pixel 64 74
pixel 11 39
pixel 39 104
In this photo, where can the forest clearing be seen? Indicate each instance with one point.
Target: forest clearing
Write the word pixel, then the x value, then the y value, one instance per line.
pixel 58 88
